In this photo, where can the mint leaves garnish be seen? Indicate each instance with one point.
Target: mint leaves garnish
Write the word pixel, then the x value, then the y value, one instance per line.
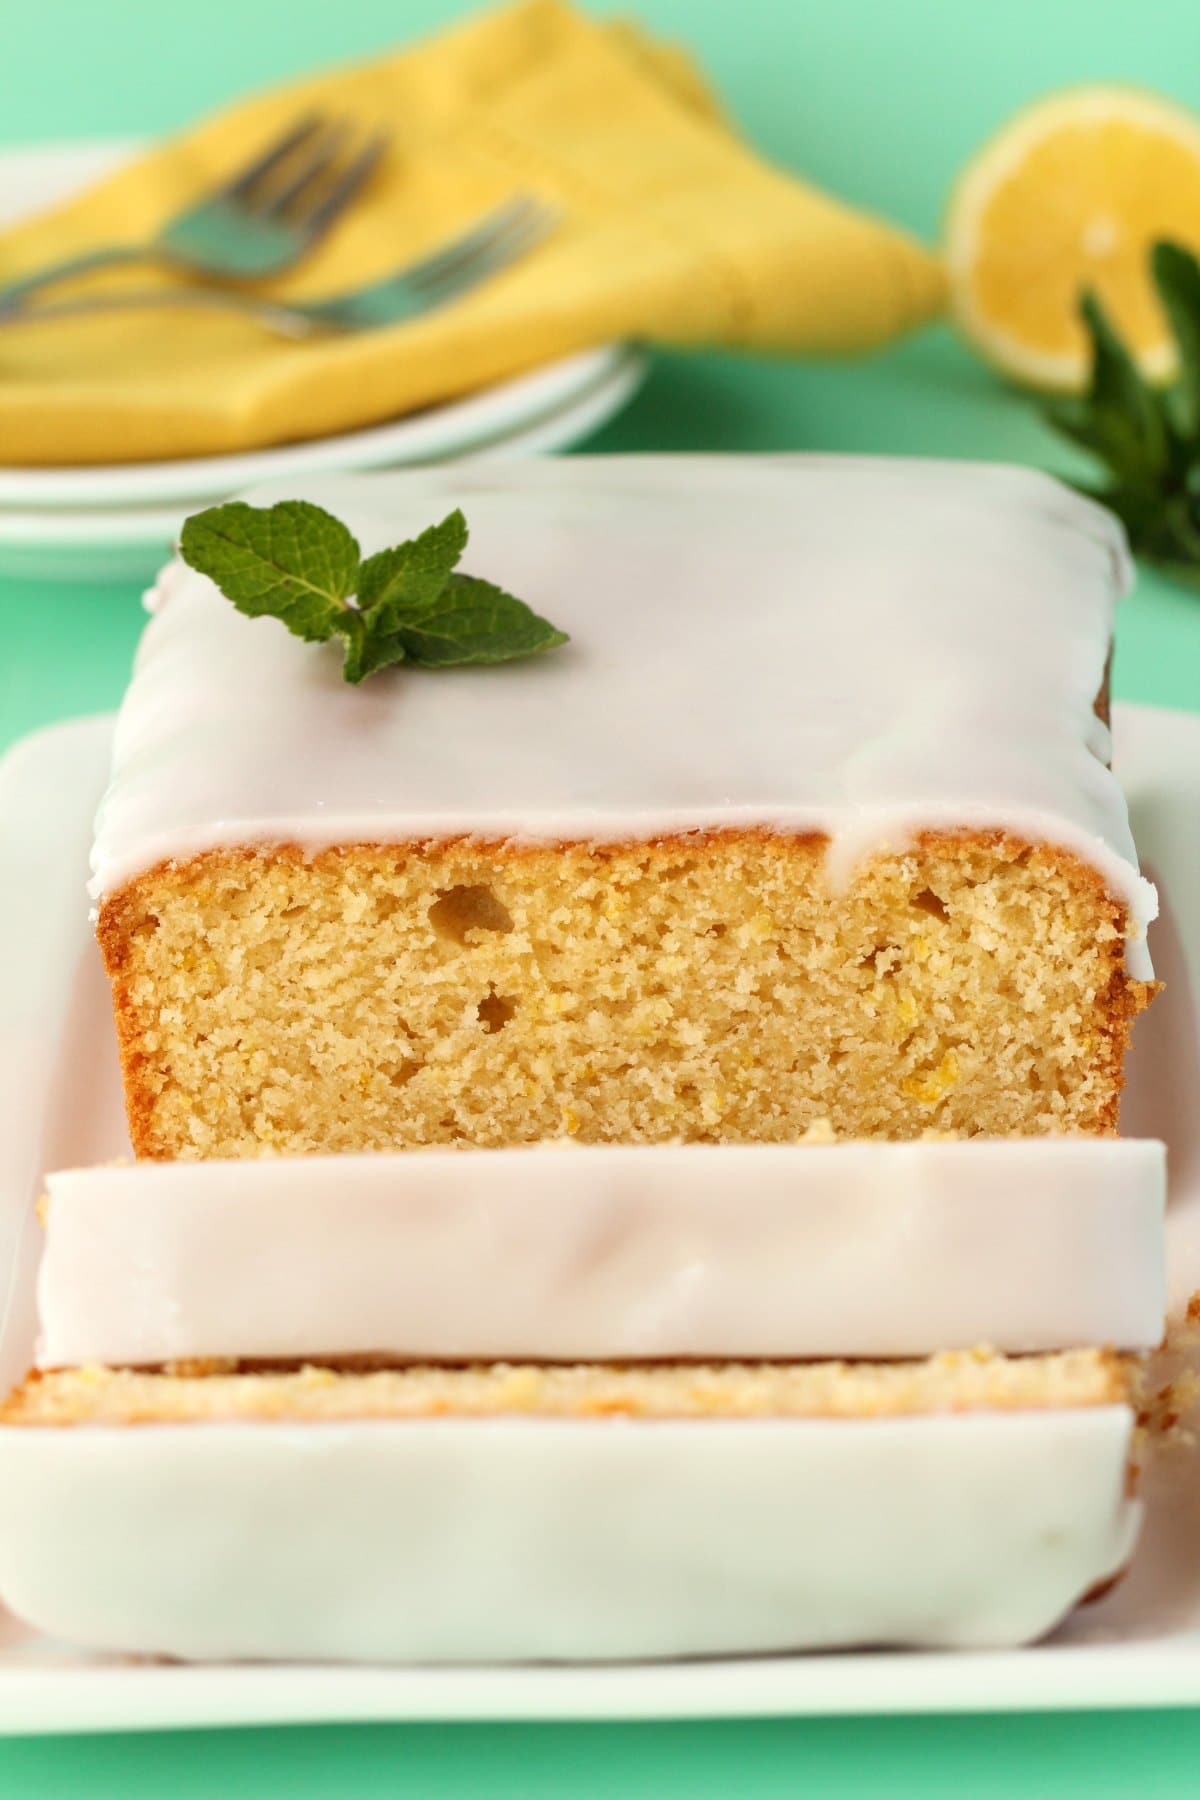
pixel 297 563
pixel 293 562
pixel 1147 437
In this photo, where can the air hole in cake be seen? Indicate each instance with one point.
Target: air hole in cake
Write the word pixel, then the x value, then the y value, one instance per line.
pixel 676 871
pixel 458 910
pixel 718 930
pixel 495 1010
pixel 929 902
pixel 401 1073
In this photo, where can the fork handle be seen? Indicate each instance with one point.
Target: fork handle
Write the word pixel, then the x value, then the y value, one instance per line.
pixel 272 315
pixel 14 294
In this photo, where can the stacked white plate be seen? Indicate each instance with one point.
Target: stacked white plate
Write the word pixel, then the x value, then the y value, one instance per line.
pixel 116 522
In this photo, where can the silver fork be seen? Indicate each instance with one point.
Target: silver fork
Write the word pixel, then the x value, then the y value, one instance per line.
pixel 492 244
pixel 261 221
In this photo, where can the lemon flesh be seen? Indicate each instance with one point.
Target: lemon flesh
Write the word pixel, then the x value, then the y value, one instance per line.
pixel 1072 194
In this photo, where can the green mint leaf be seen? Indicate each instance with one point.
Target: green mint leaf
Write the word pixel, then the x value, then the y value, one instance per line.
pixel 366 654
pixel 1148 438
pixel 1139 512
pixel 1072 418
pixel 293 561
pixel 1177 278
pixel 406 581
pixel 1163 527
pixel 1121 419
pixel 1186 573
pixel 297 563
pixel 1173 537
pixel 474 621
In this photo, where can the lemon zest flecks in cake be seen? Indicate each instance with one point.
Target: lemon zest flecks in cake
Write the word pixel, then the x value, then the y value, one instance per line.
pixel 717 990
pixel 928 1089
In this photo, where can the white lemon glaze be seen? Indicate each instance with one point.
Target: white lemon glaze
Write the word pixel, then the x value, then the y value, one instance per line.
pixel 572 1252
pixel 489 1540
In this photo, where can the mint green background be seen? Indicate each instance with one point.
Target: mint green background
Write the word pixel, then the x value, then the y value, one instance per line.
pixel 881 100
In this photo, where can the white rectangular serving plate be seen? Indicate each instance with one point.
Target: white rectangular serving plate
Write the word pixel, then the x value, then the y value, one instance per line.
pixel 60 1105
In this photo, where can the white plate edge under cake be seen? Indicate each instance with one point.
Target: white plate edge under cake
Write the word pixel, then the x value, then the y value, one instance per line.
pixel 1117 1656
pixel 37 176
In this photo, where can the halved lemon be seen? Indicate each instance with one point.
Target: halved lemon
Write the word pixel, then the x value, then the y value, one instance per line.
pixel 1071 194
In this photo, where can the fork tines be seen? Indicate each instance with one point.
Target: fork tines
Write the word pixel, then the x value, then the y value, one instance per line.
pixel 299 176
pixel 499 238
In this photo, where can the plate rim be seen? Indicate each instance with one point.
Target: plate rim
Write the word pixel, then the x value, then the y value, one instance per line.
pixel 28 531
pixel 1053 1679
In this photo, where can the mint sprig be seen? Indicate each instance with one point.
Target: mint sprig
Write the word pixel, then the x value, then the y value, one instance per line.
pixel 1146 436
pixel 296 563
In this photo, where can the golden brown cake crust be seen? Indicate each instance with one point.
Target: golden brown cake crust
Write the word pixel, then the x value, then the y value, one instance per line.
pixel 708 986
pixel 952 1382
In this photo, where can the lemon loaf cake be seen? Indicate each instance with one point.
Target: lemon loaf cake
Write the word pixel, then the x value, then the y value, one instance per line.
pixel 812 818
pixel 514 1512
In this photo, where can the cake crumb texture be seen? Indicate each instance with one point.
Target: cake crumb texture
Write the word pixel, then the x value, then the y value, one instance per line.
pixel 952 1382
pixel 709 988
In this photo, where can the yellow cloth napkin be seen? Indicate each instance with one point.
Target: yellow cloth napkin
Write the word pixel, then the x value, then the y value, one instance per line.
pixel 673 231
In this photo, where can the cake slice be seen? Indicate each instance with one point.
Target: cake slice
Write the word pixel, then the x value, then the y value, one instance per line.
pixel 225 1389
pixel 563 1253
pixel 504 1513
pixel 812 818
